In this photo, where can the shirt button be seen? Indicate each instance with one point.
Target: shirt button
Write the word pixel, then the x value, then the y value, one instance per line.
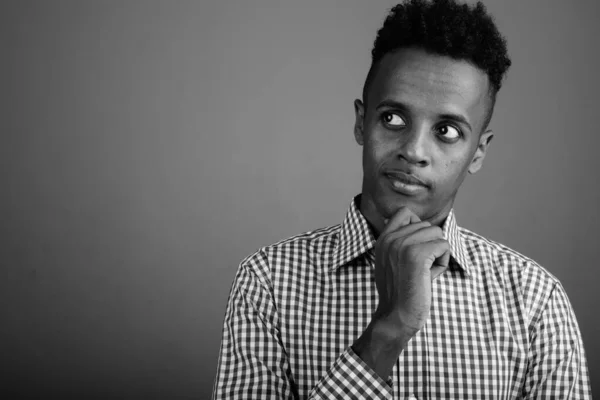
pixel 412 397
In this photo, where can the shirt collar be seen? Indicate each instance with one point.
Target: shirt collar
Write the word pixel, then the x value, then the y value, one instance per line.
pixel 355 239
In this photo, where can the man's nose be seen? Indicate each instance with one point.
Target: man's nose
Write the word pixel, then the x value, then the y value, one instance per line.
pixel 413 146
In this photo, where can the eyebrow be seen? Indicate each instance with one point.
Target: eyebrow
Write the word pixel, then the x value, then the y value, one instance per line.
pixel 449 116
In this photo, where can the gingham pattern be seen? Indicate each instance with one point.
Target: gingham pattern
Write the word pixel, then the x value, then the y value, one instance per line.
pixel 501 327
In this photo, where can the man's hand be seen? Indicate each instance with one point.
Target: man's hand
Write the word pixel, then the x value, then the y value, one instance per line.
pixel 409 254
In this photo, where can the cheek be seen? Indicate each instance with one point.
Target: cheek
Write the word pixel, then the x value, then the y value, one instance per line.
pixel 453 165
pixel 456 169
pixel 376 152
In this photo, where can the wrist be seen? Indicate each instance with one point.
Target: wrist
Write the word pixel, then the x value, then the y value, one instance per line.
pixel 381 344
pixel 390 331
pixel 394 326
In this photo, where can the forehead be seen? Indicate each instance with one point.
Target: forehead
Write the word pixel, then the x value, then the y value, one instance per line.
pixel 430 83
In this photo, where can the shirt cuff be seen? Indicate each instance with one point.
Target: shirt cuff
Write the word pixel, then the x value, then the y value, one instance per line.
pixel 351 378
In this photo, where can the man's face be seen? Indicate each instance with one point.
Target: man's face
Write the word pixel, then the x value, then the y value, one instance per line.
pixel 422 122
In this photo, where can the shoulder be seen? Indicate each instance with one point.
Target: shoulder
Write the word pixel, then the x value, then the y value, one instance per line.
pixel 485 252
pixel 299 251
pixel 510 269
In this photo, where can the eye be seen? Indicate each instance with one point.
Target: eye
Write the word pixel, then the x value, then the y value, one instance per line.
pixel 392 119
pixel 449 132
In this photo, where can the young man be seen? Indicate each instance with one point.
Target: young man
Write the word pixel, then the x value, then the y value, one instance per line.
pixel 398 301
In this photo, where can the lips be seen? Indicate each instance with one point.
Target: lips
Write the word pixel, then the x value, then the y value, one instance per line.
pixel 405 178
pixel 405 184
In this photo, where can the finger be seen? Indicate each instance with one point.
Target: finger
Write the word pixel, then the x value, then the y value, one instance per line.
pixel 433 253
pixel 444 260
pixel 404 216
pixel 405 231
pixel 437 271
pixel 440 265
pixel 422 235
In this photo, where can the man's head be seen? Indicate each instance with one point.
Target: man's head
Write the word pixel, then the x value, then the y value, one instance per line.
pixel 427 101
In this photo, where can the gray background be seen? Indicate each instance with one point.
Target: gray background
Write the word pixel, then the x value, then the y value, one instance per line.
pixel 148 146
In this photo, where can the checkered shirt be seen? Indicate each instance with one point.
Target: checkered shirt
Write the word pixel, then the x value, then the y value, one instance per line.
pixel 500 327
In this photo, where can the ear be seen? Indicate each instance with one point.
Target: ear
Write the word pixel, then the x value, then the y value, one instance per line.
pixel 484 141
pixel 359 114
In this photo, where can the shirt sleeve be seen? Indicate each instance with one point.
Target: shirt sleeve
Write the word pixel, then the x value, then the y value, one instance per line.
pixel 252 359
pixel 351 378
pixel 557 366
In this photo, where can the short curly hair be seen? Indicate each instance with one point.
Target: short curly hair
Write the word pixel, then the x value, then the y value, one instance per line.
pixel 446 28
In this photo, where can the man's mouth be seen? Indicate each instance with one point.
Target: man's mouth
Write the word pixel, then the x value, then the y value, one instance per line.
pixel 405 183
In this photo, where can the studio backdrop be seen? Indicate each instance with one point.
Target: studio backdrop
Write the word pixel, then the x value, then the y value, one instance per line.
pixel 147 147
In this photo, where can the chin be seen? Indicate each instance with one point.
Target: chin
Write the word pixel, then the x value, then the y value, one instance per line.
pixel 389 205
